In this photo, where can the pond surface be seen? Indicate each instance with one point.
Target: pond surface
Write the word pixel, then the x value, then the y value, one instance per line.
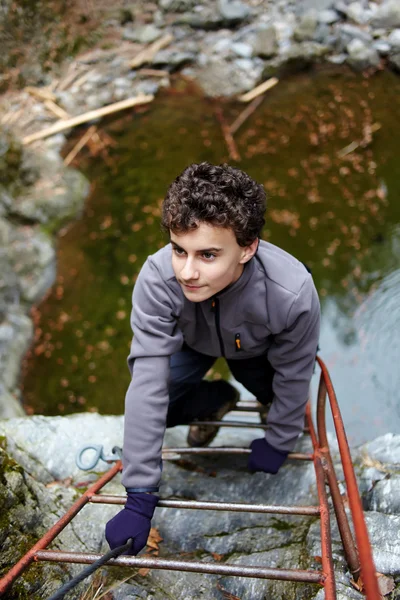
pixel 334 207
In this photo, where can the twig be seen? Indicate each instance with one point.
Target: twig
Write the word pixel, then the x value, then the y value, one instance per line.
pixel 154 73
pixel 88 116
pixel 260 89
pixel 80 144
pixel 245 114
pixel 70 77
pixel 147 55
pixel 57 110
pixel 366 140
pixel 230 142
pixel 41 93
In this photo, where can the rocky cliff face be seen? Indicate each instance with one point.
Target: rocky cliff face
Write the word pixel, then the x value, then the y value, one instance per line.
pixel 39 479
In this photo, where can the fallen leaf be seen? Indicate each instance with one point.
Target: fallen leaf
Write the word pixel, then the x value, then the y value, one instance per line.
pixel 154 539
pixel 358 585
pixel 216 556
pixel 386 584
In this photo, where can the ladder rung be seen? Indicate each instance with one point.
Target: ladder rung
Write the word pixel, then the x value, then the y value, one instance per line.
pixel 311 511
pixel 167 452
pixel 231 424
pixel 184 565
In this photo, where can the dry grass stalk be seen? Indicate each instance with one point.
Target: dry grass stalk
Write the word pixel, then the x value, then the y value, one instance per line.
pixel 80 144
pixel 41 93
pixel 56 110
pixel 86 117
pixel 230 142
pixel 245 114
pixel 260 89
pixel 147 55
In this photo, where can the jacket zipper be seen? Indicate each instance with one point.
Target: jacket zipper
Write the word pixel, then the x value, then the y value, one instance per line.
pixel 215 306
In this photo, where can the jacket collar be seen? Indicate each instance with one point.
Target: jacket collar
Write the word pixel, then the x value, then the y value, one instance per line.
pixel 239 284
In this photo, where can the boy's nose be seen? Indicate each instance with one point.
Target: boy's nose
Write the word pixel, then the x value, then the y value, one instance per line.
pixel 189 273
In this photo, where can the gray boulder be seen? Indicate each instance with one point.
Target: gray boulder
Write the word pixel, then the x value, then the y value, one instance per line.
pixel 361 56
pixel 297 58
pixel 265 43
pixel 303 6
pixel 53 200
pixel 394 61
pixel 387 15
pixel 306 27
pixel 176 5
pixel 233 11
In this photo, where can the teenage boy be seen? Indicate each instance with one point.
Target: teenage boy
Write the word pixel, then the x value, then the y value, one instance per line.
pixel 215 290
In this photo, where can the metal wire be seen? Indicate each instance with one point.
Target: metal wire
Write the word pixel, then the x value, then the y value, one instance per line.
pixel 91 569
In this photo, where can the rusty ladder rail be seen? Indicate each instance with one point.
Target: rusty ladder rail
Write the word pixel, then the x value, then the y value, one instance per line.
pixel 357 552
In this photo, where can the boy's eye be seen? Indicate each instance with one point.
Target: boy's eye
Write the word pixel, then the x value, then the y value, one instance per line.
pixel 208 255
pixel 178 251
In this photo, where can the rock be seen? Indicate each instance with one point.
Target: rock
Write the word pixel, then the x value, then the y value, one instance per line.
pixel 394 61
pixel 16 335
pixel 328 16
pixel 241 49
pixel 306 28
pixel 357 13
pixel 143 34
pixel 265 43
pixel 176 5
pixel 394 39
pixel 383 48
pixel 207 19
pixel 303 6
pixel 384 496
pixel 55 441
pixel 387 15
pixel 28 509
pixel 347 33
pixel 337 59
pixel 50 203
pixel 233 11
pixel 223 78
pixel 297 58
pixel 10 406
pixel 361 57
pixel 385 449
pixel 173 58
pixel 32 258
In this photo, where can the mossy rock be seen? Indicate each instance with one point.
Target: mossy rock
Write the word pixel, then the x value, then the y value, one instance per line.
pixel 23 521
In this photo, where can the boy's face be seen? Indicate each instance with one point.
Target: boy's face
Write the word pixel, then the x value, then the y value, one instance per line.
pixel 208 259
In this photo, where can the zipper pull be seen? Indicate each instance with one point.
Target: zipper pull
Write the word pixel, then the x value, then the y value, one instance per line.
pixel 213 304
pixel 237 342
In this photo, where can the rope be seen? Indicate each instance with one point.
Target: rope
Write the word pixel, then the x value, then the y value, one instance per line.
pixel 91 569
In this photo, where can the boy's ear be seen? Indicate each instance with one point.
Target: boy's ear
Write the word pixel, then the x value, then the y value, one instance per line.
pixel 249 251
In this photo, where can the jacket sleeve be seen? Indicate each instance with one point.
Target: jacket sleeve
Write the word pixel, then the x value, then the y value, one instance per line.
pixel 155 337
pixel 292 356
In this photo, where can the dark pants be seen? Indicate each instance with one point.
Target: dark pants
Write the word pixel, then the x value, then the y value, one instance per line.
pixel 192 397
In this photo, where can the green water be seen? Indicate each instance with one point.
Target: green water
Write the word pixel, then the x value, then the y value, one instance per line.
pixel 339 214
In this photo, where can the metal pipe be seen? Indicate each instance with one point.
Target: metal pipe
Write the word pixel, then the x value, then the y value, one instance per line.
pixel 349 547
pixel 233 450
pixel 368 570
pixel 311 511
pixel 181 565
pixel 326 537
pixel 239 424
pixel 325 525
pixel 27 559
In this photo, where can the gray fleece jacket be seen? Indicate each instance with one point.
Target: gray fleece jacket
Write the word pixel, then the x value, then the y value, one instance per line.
pixel 273 307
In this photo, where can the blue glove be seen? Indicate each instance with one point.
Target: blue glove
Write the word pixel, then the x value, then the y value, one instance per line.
pixel 132 522
pixel 264 457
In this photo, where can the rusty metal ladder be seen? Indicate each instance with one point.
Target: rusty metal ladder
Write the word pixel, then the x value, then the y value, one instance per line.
pixel 357 552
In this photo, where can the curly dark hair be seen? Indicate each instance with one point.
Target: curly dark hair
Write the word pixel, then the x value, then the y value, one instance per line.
pixel 219 195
